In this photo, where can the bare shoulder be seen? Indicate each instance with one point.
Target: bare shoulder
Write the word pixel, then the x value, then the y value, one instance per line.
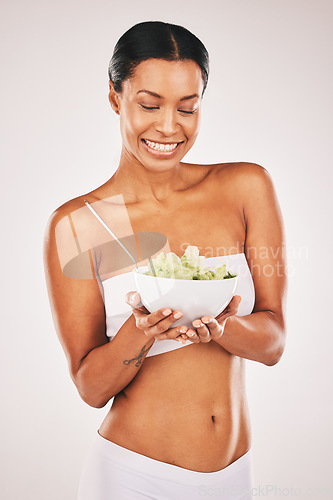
pixel 234 171
pixel 69 240
pixel 72 218
pixel 67 208
pixel 247 180
pixel 242 172
pixel 64 239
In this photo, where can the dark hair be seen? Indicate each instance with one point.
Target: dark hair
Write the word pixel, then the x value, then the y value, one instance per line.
pixel 157 40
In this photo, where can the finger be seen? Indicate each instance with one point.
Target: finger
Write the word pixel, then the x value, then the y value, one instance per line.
pixel 234 303
pixel 215 328
pixel 181 339
pixel 186 335
pixel 170 334
pixel 161 320
pixel 192 336
pixel 132 298
pixel 231 309
pixel 179 333
pixel 159 323
pixel 202 331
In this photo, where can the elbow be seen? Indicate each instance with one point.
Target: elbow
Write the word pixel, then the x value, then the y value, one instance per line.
pixel 92 399
pixel 276 351
pixel 273 358
pixel 88 391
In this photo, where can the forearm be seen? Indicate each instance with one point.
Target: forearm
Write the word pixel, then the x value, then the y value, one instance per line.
pixel 107 369
pixel 258 336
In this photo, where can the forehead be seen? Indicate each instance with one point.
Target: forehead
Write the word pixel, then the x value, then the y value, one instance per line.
pixel 166 77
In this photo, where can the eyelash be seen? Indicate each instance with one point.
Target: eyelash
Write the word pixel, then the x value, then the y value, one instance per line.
pixel 180 110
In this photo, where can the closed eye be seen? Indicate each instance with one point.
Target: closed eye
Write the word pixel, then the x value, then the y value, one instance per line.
pixel 146 107
pixel 180 110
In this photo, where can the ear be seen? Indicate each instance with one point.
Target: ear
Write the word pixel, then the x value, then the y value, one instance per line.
pixel 114 98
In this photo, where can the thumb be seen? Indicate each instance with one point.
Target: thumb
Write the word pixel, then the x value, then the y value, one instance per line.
pixel 132 298
pixel 233 306
pixel 235 301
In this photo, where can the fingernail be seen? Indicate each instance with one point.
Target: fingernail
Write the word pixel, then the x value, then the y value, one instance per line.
pixel 205 321
pixel 166 312
pixel 183 329
pixel 177 315
pixel 190 333
pixel 197 324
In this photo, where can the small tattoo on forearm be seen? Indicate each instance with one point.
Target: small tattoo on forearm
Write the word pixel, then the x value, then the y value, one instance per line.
pixel 138 358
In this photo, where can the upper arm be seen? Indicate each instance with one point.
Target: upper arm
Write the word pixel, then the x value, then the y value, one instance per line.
pixel 75 294
pixel 265 240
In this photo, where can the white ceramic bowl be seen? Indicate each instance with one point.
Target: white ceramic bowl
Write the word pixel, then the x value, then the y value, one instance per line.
pixel 195 298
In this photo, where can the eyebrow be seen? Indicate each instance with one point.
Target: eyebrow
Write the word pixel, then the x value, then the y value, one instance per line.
pixel 185 98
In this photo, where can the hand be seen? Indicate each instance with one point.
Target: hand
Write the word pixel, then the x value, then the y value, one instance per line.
pixel 155 325
pixel 208 328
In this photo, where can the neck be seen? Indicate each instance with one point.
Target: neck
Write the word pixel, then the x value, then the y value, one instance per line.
pixel 142 184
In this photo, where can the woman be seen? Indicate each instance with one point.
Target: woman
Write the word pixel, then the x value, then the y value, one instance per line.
pixel 179 424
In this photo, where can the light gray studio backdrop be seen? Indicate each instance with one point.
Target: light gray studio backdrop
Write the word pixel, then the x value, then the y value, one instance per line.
pixel 268 101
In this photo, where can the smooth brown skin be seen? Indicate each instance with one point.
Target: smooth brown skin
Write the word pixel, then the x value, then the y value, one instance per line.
pixel 186 407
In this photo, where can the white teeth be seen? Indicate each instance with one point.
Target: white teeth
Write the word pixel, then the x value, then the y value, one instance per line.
pixel 161 147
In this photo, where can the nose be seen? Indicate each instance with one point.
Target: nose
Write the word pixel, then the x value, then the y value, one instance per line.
pixel 167 122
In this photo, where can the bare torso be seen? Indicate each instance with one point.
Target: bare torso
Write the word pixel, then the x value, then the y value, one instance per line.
pixel 188 407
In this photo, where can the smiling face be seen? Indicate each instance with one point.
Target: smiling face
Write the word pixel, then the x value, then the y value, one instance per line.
pixel 159 110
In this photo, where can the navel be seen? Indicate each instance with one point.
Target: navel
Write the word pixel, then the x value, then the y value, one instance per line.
pixel 213 418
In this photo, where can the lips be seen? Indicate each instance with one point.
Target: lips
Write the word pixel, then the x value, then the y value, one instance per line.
pixel 151 148
pixel 158 143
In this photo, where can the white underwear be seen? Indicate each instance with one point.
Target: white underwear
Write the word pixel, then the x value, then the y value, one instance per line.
pixel 112 472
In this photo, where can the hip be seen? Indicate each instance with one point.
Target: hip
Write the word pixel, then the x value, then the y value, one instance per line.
pixel 112 471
